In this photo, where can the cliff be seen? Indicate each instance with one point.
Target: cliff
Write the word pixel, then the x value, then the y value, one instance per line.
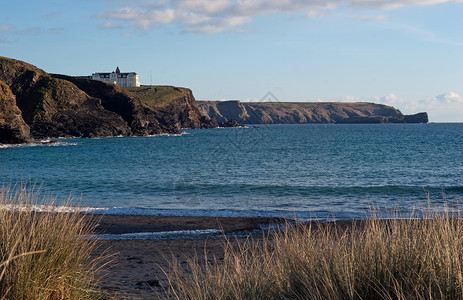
pixel 305 112
pixel 13 129
pixel 139 120
pixel 63 106
pixel 35 104
pixel 172 106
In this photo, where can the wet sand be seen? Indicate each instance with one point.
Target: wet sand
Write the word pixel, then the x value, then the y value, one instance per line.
pixel 136 270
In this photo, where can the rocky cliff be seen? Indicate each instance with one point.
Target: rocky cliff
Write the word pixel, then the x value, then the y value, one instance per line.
pixel 172 106
pixel 304 112
pixel 64 106
pixel 13 129
pixel 51 105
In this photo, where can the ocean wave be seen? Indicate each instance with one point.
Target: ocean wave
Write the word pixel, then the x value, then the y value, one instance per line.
pixel 51 208
pixel 41 143
pixel 163 235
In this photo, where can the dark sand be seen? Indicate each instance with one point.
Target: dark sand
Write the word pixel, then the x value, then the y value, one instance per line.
pixel 136 270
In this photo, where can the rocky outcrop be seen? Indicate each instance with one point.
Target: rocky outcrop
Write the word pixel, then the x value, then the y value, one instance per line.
pixel 173 107
pixel 63 106
pixel 54 107
pixel 13 129
pixel 139 119
pixel 417 118
pixel 304 112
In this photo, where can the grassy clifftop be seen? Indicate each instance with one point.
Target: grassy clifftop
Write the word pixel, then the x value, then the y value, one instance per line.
pixel 173 106
pixel 158 96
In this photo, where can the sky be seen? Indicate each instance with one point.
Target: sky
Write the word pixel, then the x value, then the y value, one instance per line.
pixel 404 53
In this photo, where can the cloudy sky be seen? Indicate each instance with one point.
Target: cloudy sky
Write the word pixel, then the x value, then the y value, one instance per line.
pixel 405 53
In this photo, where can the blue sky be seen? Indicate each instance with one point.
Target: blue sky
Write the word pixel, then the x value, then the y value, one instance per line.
pixel 407 53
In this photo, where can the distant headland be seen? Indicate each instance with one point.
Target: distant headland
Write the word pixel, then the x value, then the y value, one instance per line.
pixel 35 105
pixel 306 112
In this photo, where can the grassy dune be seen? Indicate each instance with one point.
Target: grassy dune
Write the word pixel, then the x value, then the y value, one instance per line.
pixel 44 255
pixel 415 258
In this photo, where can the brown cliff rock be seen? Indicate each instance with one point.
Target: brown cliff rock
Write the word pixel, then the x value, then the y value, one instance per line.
pixel 13 129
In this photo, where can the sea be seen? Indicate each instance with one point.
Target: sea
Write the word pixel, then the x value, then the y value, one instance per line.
pixel 307 171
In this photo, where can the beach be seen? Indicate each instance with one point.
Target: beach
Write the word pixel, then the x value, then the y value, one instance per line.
pixel 136 267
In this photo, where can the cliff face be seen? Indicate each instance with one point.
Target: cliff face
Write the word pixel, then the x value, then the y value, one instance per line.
pixel 140 120
pixel 172 106
pixel 64 106
pixel 55 107
pixel 303 112
pixel 13 129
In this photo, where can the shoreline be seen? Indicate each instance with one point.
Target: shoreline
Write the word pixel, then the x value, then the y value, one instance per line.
pixel 136 266
pixel 122 224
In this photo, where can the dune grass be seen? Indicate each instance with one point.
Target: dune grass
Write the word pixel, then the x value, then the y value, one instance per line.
pixel 412 258
pixel 44 255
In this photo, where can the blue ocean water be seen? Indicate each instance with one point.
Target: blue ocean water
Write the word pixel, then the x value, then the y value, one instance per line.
pixel 310 170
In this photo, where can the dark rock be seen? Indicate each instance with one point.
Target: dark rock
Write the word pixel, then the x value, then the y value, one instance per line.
pixel 174 107
pixel 231 123
pixel 417 118
pixel 65 106
pixel 113 98
pixel 13 129
pixel 54 107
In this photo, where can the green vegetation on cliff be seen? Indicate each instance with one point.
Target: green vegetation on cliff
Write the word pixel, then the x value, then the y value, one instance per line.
pixel 157 96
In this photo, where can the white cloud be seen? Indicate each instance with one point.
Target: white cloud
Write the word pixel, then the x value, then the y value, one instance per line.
pixel 450 98
pixel 446 107
pixel 214 16
pixel 203 6
pixel 110 25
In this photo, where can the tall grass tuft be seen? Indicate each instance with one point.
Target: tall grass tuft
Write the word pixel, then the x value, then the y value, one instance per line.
pixel 413 258
pixel 43 255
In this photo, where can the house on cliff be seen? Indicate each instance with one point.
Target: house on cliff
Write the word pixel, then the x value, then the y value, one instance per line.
pixel 121 79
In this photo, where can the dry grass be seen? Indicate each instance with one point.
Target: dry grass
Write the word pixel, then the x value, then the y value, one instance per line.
pixel 413 258
pixel 43 255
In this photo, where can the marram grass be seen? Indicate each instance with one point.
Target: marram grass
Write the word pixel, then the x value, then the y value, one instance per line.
pixel 413 258
pixel 44 255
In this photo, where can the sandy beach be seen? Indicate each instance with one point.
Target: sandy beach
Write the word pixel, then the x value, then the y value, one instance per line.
pixel 136 269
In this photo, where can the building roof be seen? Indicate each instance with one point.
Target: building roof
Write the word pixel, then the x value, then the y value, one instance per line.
pixel 118 71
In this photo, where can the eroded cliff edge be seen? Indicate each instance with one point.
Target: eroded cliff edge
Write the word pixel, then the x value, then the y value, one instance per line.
pixel 65 106
pixel 306 112
pixel 13 129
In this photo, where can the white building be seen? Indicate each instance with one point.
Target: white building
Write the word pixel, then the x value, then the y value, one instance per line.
pixel 116 77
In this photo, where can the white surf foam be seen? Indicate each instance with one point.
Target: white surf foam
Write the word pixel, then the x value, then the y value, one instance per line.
pixel 163 235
